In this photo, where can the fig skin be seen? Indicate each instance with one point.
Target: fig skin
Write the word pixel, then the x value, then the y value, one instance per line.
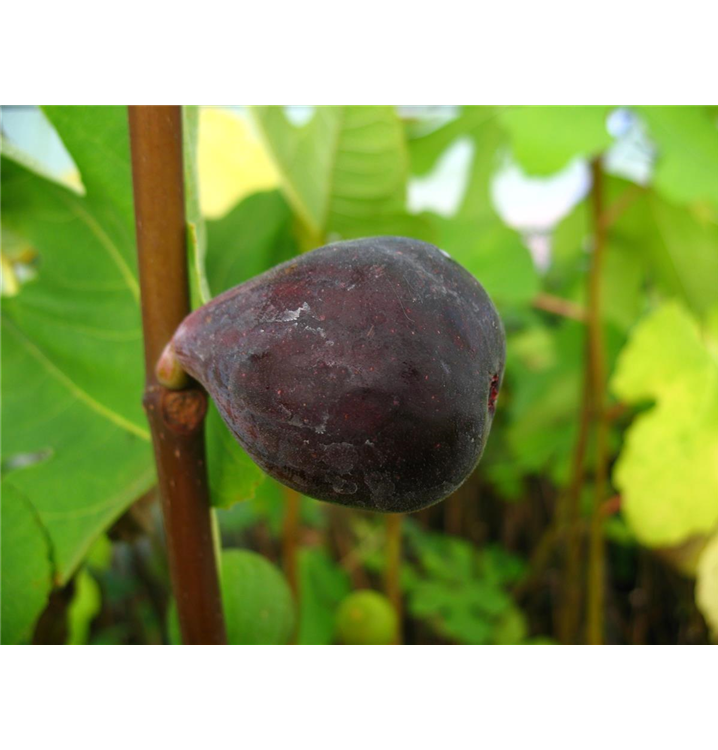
pixel 363 373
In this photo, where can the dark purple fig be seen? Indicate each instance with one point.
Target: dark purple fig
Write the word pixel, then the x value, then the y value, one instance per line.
pixel 364 373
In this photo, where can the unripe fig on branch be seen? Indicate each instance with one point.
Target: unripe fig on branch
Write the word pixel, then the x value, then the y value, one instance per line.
pixel 364 373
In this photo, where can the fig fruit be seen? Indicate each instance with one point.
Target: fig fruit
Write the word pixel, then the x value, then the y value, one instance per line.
pixel 363 373
pixel 366 618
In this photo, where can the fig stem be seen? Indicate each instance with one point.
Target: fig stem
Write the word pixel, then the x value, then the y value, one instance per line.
pixel 176 418
pixel 169 370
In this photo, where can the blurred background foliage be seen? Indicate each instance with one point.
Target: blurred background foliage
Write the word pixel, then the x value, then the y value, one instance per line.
pixel 518 554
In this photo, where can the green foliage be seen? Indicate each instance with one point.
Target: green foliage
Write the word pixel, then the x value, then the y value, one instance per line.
pixel 322 585
pixel 493 253
pixel 668 468
pixel 544 366
pixel 464 593
pixel 545 139
pixel 425 148
pixel 85 606
pixel 233 476
pixel 687 158
pixel 267 506
pixel 683 254
pixel 76 444
pixel 76 450
pixel 254 236
pixel 26 567
pixel 344 172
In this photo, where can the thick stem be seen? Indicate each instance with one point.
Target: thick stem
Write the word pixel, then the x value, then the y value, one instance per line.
pixel 596 547
pixel 392 579
pixel 175 417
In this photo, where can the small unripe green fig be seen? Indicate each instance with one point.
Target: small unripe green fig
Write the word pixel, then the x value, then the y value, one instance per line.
pixel 366 618
pixel 364 373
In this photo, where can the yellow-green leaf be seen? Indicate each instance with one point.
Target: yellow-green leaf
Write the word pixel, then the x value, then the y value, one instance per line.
pixel 668 469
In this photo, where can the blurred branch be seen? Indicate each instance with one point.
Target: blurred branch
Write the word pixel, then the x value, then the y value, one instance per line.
pixel 615 210
pixel 611 506
pixel 616 411
pixel 596 548
pixel 592 406
pixel 137 520
pixel 570 518
pixel 290 540
pixel 349 556
pixel 558 306
pixel 392 580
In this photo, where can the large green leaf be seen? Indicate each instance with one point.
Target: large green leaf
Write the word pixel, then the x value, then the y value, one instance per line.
pixel 76 442
pixel 668 468
pixel 196 230
pixel 546 139
pixel 342 170
pixel 252 238
pixel 26 566
pixel 494 253
pixel 426 149
pixel 677 249
pixel 687 159
pixel 233 476
pixel 685 254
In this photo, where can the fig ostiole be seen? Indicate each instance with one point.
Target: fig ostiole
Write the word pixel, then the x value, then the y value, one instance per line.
pixel 363 373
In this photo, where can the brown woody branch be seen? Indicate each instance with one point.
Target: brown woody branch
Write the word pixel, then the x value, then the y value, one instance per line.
pixel 176 418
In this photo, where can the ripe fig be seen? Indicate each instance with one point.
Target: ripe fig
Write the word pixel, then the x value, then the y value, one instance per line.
pixel 364 373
